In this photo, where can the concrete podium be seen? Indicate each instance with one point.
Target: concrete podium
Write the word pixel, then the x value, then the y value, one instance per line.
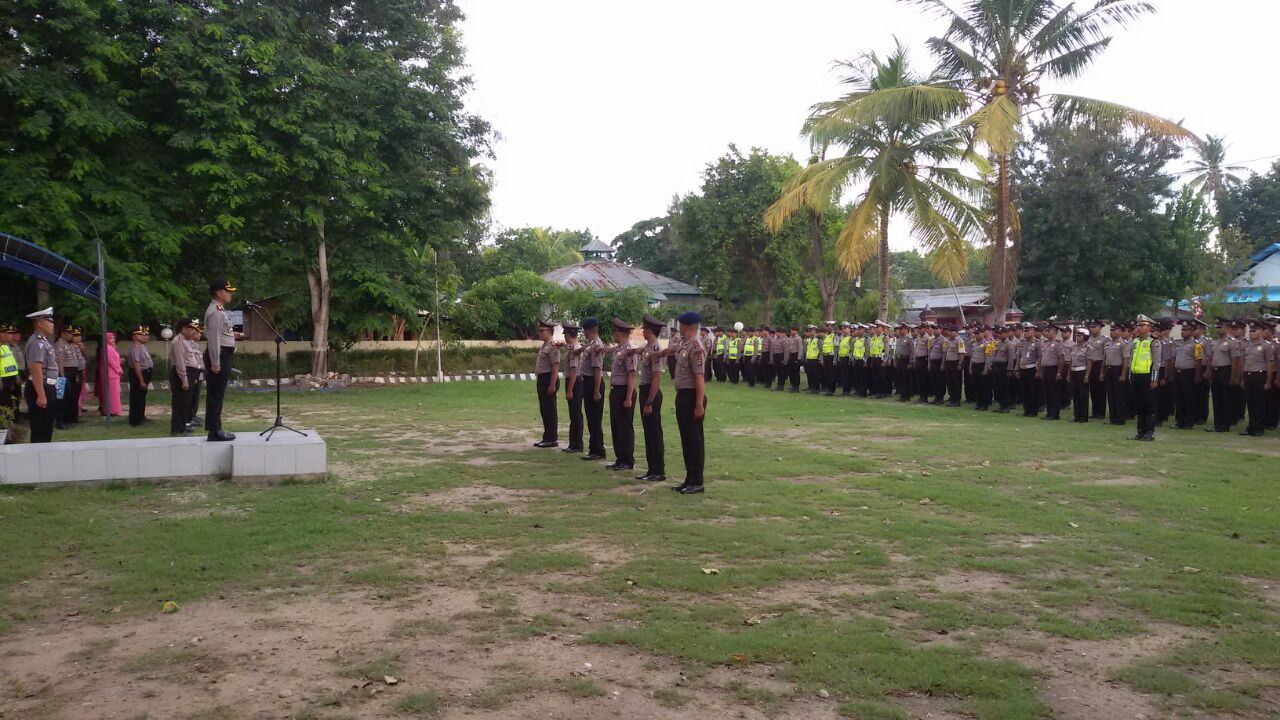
pixel 249 459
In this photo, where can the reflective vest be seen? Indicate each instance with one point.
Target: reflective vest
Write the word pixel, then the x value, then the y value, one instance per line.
pixel 720 345
pixel 859 348
pixel 1140 363
pixel 877 346
pixel 733 348
pixel 845 342
pixel 8 363
pixel 828 344
pixel 749 347
pixel 811 349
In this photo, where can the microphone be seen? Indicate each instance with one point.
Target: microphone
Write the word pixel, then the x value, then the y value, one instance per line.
pixel 252 304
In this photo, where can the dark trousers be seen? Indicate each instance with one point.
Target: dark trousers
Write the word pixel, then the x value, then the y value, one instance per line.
pixel 1144 402
pixel 138 396
pixel 1223 413
pixel 69 405
pixel 903 371
pixel 655 451
pixel 1255 399
pixel 1237 394
pixel 981 386
pixel 193 397
pixel 859 371
pixel 1080 395
pixel 829 377
pixel 813 371
pixel 217 389
pixel 765 371
pixel 1051 391
pixel 1187 398
pixel 733 367
pixel 783 369
pixel 1117 395
pixel 41 417
pixel 594 411
pixel 951 371
pixel 923 387
pixel 1000 384
pixel 1098 390
pixel 748 371
pixel 622 425
pixel 179 401
pixel 1165 398
pixel 875 379
pixel 547 405
pixel 1202 397
pixel 720 371
pixel 937 380
pixel 10 394
pixel 1273 406
pixel 692 442
pixel 845 365
pixel 794 371
pixel 573 400
pixel 1030 392
pixel 709 369
pixel 970 389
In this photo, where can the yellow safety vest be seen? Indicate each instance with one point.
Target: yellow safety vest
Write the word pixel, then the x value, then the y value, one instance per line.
pixel 749 347
pixel 733 348
pixel 828 344
pixel 720 345
pixel 1140 363
pixel 859 349
pixel 811 349
pixel 8 363
pixel 877 346
pixel 845 341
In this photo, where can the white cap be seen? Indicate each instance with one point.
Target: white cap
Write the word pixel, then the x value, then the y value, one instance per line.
pixel 45 313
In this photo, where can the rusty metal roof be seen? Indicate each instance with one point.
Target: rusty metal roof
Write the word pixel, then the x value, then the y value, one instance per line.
pixel 605 276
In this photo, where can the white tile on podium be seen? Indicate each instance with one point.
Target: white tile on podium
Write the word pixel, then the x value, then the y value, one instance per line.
pixel 154 461
pixel 90 464
pixel 22 468
pixel 57 466
pixel 122 463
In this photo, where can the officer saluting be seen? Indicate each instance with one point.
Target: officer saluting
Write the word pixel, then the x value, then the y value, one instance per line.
pixel 220 348
pixel 42 376
pixel 650 377
pixel 691 403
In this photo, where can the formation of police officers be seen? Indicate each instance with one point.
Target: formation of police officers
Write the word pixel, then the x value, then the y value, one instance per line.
pixel 51 374
pixel 635 378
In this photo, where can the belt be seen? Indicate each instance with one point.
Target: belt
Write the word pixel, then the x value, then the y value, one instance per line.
pixel 51 381
pixel 1079 369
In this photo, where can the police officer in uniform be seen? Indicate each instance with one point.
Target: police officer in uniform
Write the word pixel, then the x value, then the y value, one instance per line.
pixel 1145 365
pixel 1258 372
pixel 691 404
pixel 180 385
pixel 813 359
pixel 590 382
pixel 195 372
pixel 1052 366
pixel 219 351
pixel 650 378
pixel 140 367
pixel 42 377
pixel 622 394
pixel 902 362
pixel 10 388
pixel 721 356
pixel 795 347
pixel 1116 358
pixel 572 389
pixel 733 356
pixel 1097 344
pixel 62 348
pixel 1078 366
pixel 547 370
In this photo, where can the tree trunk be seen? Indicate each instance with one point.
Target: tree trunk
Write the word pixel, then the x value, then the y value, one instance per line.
pixel 884 265
pixel 828 283
pixel 998 268
pixel 397 328
pixel 42 294
pixel 318 281
pixel 768 304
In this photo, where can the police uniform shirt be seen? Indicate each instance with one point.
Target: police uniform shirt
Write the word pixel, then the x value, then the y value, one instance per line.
pixel 1080 356
pixel 548 359
pixel 589 360
pixel 193 352
pixel 920 348
pixel 937 347
pixel 178 353
pixel 218 329
pixel 1116 353
pixel 40 350
pixel 74 358
pixel 650 363
pixel 1097 347
pixel 709 343
pixel 691 364
pixel 796 344
pixel 1257 353
pixel 1050 354
pixel 139 356
pixel 951 349
pixel 1028 354
pixel 1184 354
pixel 62 349
pixel 624 363
pixel 572 351
pixel 1001 352
pixel 980 355
pixel 906 345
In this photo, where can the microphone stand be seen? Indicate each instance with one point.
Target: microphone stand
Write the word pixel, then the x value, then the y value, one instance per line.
pixel 279 423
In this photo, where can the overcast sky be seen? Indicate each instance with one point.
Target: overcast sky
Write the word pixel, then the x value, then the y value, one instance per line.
pixel 608 109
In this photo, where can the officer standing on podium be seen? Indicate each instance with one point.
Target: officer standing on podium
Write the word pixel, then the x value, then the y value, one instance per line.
pixel 221 346
pixel 42 377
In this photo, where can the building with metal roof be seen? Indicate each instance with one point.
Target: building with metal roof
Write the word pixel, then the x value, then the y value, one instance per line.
pixel 954 305
pixel 600 274
pixel 1260 281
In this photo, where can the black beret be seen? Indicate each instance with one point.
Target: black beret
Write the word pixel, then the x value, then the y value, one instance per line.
pixel 589 323
pixel 690 318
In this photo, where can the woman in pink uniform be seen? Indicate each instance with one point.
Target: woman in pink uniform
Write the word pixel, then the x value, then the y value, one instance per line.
pixel 108 389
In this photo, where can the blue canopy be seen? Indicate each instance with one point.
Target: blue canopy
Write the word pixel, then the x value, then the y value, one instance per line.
pixel 41 264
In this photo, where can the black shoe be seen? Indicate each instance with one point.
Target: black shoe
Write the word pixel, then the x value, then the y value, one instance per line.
pixel 618 466
pixel 1247 433
pixel 690 489
pixel 220 436
pixel 592 458
pixel 953 404
pixel 652 477
pixel 571 450
pixel 547 444
pixel 1149 437
pixel 1215 430
pixel 1139 436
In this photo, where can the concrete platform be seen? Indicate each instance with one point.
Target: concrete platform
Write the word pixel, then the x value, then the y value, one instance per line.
pixel 247 459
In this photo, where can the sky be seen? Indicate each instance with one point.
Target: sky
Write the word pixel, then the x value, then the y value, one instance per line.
pixel 606 110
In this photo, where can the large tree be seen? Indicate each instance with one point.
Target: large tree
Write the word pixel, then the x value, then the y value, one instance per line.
pixel 1097 239
pixel 722 235
pixel 909 161
pixel 651 245
pixel 1253 208
pixel 998 53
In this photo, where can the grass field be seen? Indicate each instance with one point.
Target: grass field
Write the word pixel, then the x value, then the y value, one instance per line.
pixel 852 558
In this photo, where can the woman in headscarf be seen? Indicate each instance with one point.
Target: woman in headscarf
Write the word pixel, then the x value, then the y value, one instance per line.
pixel 109 370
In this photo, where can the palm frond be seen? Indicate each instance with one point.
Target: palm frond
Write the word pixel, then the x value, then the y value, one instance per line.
pixel 1072 63
pixel 859 239
pixel 996 124
pixel 911 104
pixel 1074 108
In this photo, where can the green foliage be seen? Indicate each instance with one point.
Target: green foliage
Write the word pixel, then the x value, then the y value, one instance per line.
pixel 537 250
pixel 1095 241
pixel 1253 208
pixel 651 244
pixel 508 306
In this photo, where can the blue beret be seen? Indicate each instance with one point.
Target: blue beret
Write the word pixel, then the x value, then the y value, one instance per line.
pixel 690 318
pixel 590 323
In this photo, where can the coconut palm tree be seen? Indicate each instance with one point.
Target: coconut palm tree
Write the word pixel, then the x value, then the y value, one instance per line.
pixel 908 161
pixel 997 53
pixel 1212 175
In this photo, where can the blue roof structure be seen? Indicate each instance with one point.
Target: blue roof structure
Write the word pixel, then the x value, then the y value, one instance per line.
pixel 42 264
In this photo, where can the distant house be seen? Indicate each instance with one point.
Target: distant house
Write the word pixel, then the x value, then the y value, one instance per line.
pixel 600 274
pixel 954 305
pixel 1260 281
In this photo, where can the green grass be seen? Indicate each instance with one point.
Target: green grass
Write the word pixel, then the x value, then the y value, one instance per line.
pixel 833 568
pixel 421 705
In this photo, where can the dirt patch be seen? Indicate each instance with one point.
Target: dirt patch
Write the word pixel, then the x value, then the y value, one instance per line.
pixel 1076 673
pixel 1268 589
pixel 1121 481
pixel 977 581
pixel 889 438
pixel 465 497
